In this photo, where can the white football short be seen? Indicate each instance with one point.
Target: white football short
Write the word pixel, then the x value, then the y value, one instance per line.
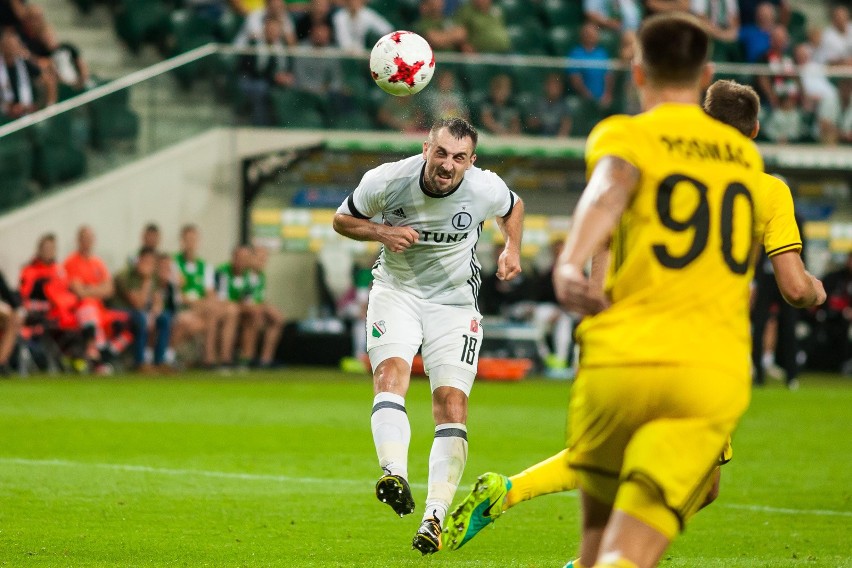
pixel 399 323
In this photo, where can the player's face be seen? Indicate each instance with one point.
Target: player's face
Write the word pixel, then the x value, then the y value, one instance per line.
pixel 447 158
pixel 189 240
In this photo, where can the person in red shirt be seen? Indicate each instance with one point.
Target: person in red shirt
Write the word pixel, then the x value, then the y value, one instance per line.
pixel 89 278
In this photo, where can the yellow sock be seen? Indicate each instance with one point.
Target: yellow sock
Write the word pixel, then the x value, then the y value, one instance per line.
pixel 574 564
pixel 550 476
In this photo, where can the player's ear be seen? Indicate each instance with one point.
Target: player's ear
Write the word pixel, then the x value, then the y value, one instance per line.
pixel 638 73
pixel 756 130
pixel 425 148
pixel 472 160
pixel 707 75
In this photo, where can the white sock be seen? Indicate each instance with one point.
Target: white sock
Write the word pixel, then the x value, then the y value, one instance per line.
pixel 446 465
pixel 391 433
pixel 562 336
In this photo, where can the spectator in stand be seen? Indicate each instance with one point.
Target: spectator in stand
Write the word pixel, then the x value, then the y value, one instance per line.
pixel 442 33
pixel 71 70
pixel 616 15
pixel 322 76
pixel 835 46
pixel 551 113
pixel 89 278
pixel 318 12
pixel 498 114
pixel 755 37
pixel 234 286
pixel 150 239
pixel 355 22
pixel 786 122
pixel 252 28
pixel 199 297
pixel 835 317
pixel 723 23
pixel 785 80
pixel 846 117
pixel 594 84
pixel 37 35
pixel 446 100
pixel 403 114
pixel 12 13
pixel 271 318
pixel 485 27
pixel 627 95
pixel 750 11
pixel 262 71
pixel 662 6
pixel 10 324
pixel 138 294
pixel 821 93
pixel 21 81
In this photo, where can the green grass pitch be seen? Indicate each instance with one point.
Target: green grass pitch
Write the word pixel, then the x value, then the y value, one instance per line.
pixel 277 469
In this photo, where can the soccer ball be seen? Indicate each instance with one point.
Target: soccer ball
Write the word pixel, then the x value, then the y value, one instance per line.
pixel 402 63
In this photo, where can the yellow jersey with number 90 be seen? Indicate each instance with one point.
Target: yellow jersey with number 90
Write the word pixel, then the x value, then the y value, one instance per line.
pixel 681 256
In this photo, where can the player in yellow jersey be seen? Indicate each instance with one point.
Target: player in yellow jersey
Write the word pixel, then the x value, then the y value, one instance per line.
pixel 664 370
pixel 775 227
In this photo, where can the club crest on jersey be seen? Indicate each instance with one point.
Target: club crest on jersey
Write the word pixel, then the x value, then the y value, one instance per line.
pixel 462 221
pixel 379 328
pixel 474 325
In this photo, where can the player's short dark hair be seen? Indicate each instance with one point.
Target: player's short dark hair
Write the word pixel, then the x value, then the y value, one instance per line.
pixel 734 104
pixel 46 238
pixel 458 127
pixel 189 227
pixel 152 228
pixel 673 48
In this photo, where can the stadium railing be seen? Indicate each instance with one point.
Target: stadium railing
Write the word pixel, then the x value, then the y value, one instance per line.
pixel 129 118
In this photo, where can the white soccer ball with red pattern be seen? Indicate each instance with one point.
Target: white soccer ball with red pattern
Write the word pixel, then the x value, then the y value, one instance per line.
pixel 402 63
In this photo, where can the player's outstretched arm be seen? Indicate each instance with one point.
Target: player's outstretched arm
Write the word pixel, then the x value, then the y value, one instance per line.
pixel 605 198
pixel 512 227
pixel 800 288
pixel 396 239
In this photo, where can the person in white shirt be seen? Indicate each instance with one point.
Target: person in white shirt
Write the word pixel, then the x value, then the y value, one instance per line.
pixel 354 23
pixel 616 15
pixel 836 44
pixel 433 206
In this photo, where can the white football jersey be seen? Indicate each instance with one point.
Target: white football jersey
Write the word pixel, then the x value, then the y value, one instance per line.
pixel 441 266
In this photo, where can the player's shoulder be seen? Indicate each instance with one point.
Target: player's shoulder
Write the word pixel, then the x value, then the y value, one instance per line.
pixel 614 124
pixel 482 178
pixel 390 171
pixel 773 183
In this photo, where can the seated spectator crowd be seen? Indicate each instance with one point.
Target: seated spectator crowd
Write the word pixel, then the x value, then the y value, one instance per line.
pixel 159 313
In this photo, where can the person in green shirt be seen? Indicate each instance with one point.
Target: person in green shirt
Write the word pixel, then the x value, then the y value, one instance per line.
pixel 199 298
pixel 235 286
pixel 272 319
pixel 442 33
pixel 486 30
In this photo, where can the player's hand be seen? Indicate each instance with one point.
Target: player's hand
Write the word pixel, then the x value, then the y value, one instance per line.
pixel 508 264
pixel 397 239
pixel 575 293
pixel 820 290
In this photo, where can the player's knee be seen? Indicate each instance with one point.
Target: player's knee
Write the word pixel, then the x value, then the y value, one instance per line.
pixel 392 375
pixel 449 404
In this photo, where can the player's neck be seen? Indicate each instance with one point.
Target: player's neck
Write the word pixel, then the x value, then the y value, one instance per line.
pixel 654 97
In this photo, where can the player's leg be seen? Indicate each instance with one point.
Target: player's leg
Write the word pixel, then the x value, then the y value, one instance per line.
pixel 230 321
pixel 452 337
pixel 251 323
pixel 10 326
pixel 493 494
pixel 273 324
pixel 671 461
pixel 393 337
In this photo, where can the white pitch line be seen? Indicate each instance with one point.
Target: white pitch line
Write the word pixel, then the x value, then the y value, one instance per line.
pixel 326 480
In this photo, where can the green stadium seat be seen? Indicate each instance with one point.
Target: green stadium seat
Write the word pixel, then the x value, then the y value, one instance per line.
pixel 563 12
pixel 141 21
pixel 297 109
pixel 528 38
pixel 476 77
pixel 56 156
pixel 186 33
pixel 529 79
pixel 354 120
pixel 15 170
pixel 560 39
pixel 798 27
pixel 112 120
pixel 518 12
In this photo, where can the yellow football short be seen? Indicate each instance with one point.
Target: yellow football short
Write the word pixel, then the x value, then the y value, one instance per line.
pixel 663 427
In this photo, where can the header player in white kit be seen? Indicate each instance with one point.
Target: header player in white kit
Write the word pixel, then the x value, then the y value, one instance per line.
pixel 426 284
